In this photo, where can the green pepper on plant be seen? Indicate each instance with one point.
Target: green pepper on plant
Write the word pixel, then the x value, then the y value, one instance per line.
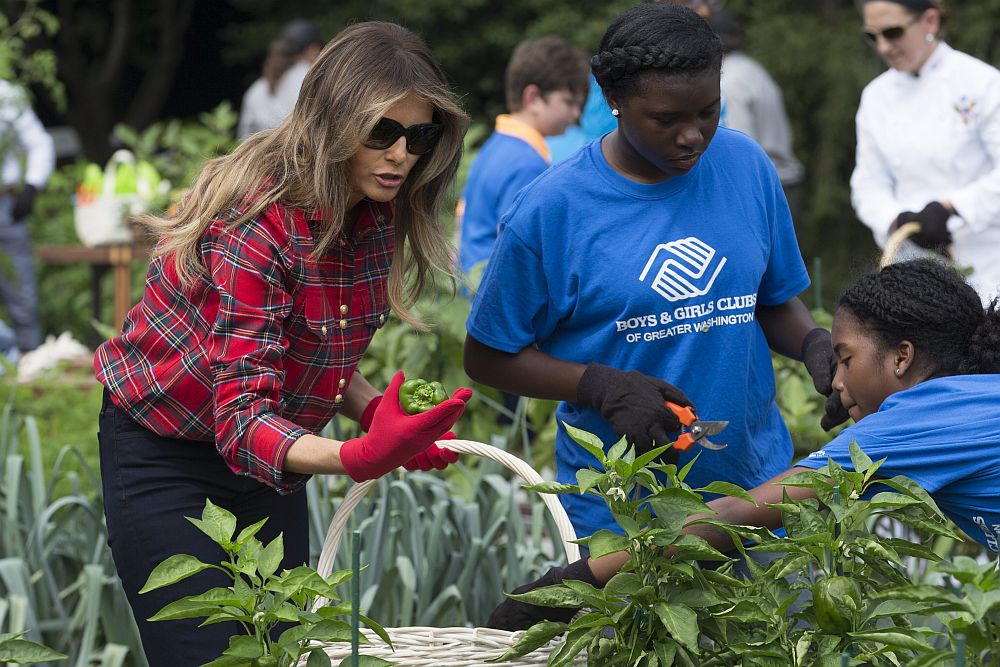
pixel 837 601
pixel 418 395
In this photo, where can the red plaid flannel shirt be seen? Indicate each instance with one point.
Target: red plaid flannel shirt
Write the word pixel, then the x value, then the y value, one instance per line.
pixel 261 351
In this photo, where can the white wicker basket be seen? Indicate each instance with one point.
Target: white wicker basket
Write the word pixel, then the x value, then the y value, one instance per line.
pixel 447 647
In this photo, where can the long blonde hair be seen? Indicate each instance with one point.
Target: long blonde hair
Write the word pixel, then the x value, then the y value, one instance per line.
pixel 364 71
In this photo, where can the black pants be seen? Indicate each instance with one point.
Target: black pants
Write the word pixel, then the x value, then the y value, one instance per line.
pixel 150 484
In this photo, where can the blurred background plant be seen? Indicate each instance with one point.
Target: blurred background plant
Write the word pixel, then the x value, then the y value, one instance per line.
pixel 21 61
pixel 813 50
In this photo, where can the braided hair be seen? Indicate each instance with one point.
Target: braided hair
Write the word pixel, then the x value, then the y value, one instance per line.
pixel 930 304
pixel 670 39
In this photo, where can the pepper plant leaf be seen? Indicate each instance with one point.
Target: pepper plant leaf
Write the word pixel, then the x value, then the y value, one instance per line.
pixel 552 487
pixel 617 451
pixel 576 641
pixel 909 487
pixel 24 651
pixel 587 479
pixel 605 542
pixel 889 638
pixel 727 489
pixel 270 557
pixel 647 458
pixel 623 583
pixel 681 622
pixel 183 608
pixel 175 568
pixel 587 440
pixel 364 661
pixel 244 647
pixel 860 461
pixel 247 533
pixel 218 523
pixel 533 638
pixel 551 596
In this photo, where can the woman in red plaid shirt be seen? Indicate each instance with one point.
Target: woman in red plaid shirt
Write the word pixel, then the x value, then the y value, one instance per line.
pixel 264 292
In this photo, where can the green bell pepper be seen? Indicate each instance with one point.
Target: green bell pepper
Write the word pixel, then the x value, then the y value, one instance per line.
pixel 837 602
pixel 417 395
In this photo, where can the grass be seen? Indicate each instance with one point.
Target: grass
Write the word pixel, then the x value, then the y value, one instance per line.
pixel 65 406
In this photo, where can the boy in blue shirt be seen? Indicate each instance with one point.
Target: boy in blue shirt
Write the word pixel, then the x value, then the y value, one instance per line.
pixel 546 84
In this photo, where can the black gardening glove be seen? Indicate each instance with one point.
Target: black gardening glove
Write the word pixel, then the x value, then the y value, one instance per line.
pixel 24 201
pixel 933 219
pixel 633 403
pixel 514 615
pixel 821 362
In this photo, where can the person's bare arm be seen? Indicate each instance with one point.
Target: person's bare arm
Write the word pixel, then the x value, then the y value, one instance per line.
pixel 740 512
pixel 729 510
pixel 359 394
pixel 785 326
pixel 314 455
pixel 529 372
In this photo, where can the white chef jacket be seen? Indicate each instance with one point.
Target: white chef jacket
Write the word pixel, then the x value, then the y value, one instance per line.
pixel 22 136
pixel 935 137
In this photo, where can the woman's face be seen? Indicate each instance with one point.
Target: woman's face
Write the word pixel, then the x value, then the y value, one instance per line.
pixel 378 174
pixel 866 374
pixel 665 126
pixel 909 51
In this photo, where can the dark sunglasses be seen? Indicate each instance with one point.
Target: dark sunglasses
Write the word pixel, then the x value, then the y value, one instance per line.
pixel 888 34
pixel 420 138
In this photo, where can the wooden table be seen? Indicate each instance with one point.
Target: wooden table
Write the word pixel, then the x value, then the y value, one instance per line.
pixel 116 258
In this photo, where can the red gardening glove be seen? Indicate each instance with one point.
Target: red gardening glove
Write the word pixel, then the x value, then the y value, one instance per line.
pixel 433 457
pixel 396 437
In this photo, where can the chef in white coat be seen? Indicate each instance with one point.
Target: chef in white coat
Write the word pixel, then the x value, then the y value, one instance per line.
pixel 928 134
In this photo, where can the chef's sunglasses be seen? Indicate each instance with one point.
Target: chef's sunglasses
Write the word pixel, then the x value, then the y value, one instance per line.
pixel 888 34
pixel 420 138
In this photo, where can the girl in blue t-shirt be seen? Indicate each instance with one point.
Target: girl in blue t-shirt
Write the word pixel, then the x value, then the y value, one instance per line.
pixel 660 256
pixel 918 369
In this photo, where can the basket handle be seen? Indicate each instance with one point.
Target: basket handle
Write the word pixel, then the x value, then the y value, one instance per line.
pixel 120 156
pixel 895 241
pixel 340 518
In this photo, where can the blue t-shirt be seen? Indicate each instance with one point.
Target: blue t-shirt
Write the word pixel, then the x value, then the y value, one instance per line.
pixel 663 279
pixel 503 166
pixel 944 434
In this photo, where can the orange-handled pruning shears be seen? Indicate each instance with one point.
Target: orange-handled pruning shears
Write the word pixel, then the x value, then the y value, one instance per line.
pixel 695 430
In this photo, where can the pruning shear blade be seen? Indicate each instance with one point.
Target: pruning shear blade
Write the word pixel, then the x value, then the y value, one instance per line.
pixel 695 431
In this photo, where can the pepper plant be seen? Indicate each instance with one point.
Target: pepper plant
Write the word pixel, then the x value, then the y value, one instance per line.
pixel 259 599
pixel 802 598
pixel 20 651
pixel 829 570
pixel 657 607
pixel 968 605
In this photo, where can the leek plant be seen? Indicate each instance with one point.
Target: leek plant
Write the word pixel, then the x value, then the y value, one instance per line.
pixel 57 582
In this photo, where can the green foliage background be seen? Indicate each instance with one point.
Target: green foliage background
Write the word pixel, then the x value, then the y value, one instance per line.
pixel 813 49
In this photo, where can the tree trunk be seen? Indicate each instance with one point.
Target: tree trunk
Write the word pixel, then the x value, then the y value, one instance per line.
pixel 95 74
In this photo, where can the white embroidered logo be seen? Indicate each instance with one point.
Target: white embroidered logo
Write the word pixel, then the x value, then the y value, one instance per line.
pixel 684 266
